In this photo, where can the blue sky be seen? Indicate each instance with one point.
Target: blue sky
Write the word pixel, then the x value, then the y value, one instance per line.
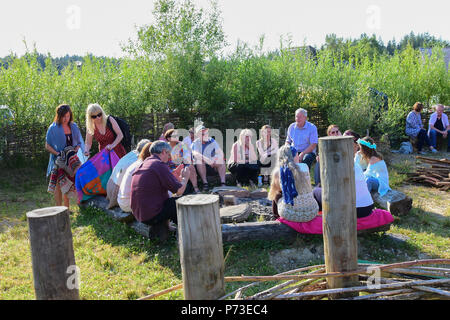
pixel 99 26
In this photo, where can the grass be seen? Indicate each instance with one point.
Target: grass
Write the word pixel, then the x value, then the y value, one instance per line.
pixel 117 263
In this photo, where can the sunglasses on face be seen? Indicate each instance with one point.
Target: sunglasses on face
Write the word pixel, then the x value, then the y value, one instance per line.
pixel 98 115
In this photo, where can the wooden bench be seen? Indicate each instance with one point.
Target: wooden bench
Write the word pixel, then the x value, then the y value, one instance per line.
pixel 231 232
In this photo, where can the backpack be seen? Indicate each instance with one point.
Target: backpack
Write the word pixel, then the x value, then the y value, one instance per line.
pixel 125 128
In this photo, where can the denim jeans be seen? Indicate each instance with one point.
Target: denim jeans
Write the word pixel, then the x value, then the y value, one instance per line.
pixel 433 137
pixel 422 139
pixel 309 159
pixel 372 184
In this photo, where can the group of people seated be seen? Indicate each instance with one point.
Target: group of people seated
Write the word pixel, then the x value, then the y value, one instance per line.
pixel 438 126
pixel 152 177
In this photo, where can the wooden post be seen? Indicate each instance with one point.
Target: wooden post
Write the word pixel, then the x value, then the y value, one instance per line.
pixel 339 209
pixel 200 243
pixel 54 269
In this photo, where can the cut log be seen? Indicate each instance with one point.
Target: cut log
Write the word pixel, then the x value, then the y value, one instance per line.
pixel 237 213
pixel 229 200
pixel 52 254
pixel 233 191
pixel 396 202
pixel 271 230
pixel 258 194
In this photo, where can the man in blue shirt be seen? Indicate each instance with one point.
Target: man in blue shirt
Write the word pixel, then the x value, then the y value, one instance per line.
pixel 303 136
pixel 208 157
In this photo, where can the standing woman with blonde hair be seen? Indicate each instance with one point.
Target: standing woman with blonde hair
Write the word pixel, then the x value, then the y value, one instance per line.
pixel 290 190
pixel 96 127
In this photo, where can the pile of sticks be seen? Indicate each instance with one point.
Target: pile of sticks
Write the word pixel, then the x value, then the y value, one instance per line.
pixel 411 280
pixel 435 172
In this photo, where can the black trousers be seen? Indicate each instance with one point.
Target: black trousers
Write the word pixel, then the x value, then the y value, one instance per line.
pixel 422 138
pixel 244 172
pixel 361 212
pixel 168 212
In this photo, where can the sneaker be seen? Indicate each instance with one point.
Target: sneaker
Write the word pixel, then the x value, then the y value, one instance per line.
pixel 433 150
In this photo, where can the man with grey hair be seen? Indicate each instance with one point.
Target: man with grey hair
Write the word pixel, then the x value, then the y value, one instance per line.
pixel 151 181
pixel 439 126
pixel 303 136
pixel 113 185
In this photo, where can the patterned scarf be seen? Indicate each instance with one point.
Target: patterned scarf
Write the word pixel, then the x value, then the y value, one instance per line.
pixel 287 182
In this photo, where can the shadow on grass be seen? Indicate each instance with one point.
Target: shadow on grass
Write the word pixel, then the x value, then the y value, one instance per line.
pixel 120 234
pixel 420 220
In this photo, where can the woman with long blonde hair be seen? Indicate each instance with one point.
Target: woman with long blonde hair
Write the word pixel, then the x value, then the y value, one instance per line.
pixel 290 189
pixel 96 127
pixel 243 161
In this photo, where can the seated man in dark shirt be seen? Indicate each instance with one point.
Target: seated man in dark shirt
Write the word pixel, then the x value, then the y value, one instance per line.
pixel 151 181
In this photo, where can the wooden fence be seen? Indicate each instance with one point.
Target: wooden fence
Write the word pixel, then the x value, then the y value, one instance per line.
pixel 29 141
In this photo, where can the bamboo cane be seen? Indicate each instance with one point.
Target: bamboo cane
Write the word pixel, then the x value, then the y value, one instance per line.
pixel 366 288
pixel 381 294
pixel 433 290
pixel 281 286
pixel 160 293
pixel 283 273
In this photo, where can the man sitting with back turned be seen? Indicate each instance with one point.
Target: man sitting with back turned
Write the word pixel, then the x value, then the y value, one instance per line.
pixel 303 136
pixel 150 202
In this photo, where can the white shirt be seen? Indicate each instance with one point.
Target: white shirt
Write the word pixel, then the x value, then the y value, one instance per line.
pixel 124 195
pixel 433 119
pixel 363 197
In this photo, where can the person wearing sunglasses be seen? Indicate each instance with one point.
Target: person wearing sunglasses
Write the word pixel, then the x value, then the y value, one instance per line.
pixel 332 131
pixel 96 127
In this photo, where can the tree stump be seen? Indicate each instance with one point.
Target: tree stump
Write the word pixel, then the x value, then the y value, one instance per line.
pixel 200 243
pixel 337 177
pixel 237 213
pixel 54 271
pixel 396 202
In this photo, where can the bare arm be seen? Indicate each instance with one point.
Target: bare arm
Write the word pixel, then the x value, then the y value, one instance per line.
pixel 51 150
pixel 308 150
pixel 185 178
pixel 119 134
pixel 87 143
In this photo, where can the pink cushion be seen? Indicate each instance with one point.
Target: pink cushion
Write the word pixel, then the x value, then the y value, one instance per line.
pixel 377 218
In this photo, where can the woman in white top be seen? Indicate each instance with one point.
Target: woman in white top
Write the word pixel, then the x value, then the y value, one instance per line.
pixel 364 202
pixel 124 195
pixel 267 147
pixel 243 161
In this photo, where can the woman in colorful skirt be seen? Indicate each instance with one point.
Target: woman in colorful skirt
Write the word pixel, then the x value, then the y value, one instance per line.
pixel 63 139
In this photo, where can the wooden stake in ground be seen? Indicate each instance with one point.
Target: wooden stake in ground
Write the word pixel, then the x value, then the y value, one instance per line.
pixel 54 271
pixel 339 209
pixel 200 243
